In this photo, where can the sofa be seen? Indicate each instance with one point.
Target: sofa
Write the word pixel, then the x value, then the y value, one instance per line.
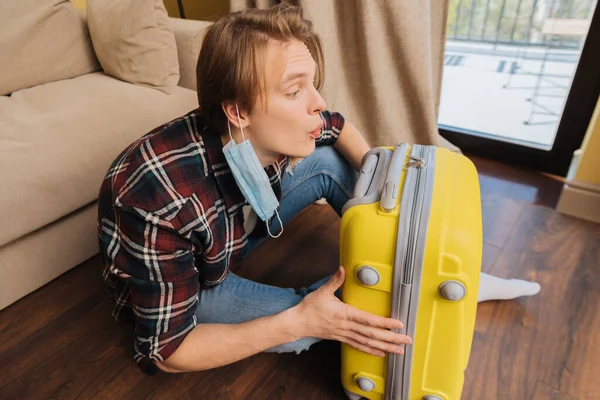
pixel 63 120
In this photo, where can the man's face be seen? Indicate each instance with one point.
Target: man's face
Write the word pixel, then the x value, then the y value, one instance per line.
pixel 290 122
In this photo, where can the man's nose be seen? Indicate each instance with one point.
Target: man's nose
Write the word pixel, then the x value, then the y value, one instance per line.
pixel 318 104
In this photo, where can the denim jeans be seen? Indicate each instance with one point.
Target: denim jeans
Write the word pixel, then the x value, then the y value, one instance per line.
pixel 323 174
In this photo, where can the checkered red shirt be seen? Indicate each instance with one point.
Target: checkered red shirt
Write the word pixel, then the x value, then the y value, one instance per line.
pixel 169 225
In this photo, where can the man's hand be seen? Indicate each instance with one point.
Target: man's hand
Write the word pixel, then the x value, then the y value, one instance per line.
pixel 322 315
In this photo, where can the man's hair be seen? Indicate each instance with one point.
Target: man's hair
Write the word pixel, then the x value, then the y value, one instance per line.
pixel 232 61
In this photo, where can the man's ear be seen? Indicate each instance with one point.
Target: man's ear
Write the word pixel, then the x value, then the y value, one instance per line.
pixel 231 112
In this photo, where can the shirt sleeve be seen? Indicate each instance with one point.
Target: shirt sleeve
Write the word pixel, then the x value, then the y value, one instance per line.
pixel 333 123
pixel 163 282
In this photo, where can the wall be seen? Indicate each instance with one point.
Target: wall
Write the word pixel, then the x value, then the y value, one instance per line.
pixel 205 10
pixel 589 164
pixel 79 3
pixel 194 9
pixel 581 194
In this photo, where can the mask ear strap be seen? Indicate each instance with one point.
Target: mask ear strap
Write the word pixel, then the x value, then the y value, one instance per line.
pixel 239 121
pixel 280 224
pixel 229 128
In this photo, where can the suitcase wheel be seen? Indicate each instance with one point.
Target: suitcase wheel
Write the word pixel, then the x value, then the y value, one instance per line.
pixel 365 384
pixel 352 395
pixel 453 291
pixel 368 275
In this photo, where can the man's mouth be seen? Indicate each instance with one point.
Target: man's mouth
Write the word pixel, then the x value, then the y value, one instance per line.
pixel 316 132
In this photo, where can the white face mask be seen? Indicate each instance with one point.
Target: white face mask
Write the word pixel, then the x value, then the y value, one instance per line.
pixel 251 178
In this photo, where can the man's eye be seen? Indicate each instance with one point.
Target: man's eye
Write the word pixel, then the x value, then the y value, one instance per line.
pixel 294 94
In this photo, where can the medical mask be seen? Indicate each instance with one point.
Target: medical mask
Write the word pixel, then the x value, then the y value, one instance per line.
pixel 251 178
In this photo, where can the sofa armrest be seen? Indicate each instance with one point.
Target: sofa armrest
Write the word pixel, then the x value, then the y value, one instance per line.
pixel 188 36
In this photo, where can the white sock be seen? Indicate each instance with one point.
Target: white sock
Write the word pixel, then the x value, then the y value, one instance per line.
pixel 494 288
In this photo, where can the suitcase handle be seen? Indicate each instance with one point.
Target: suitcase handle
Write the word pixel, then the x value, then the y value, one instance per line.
pixel 389 196
pixel 379 177
pixel 367 172
pixel 370 180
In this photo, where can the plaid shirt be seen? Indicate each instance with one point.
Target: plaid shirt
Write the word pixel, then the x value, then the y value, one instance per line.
pixel 169 225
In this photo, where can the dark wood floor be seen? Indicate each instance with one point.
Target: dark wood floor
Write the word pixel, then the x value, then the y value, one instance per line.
pixel 61 343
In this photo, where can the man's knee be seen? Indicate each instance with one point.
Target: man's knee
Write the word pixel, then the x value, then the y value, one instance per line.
pixel 331 159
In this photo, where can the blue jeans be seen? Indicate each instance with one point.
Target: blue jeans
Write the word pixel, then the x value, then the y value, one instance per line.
pixel 323 174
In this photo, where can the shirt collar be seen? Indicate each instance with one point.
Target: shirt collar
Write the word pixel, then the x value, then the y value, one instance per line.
pixel 232 195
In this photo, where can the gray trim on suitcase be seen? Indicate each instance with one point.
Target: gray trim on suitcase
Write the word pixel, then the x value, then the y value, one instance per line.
pixel 380 174
pixel 371 180
pixel 410 248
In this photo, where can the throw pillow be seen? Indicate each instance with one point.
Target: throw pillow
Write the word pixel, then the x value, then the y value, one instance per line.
pixel 134 41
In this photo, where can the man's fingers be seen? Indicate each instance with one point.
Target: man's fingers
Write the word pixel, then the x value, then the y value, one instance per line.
pixel 336 280
pixel 363 348
pixel 379 334
pixel 366 318
pixel 373 343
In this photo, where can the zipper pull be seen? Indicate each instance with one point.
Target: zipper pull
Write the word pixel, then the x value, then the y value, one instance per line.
pixel 415 162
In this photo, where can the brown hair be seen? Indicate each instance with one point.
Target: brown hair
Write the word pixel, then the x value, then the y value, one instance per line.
pixel 231 65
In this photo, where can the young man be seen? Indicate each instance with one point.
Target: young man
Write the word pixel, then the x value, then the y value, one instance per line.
pixel 183 205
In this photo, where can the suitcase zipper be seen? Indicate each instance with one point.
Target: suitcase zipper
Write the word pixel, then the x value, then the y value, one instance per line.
pixel 412 233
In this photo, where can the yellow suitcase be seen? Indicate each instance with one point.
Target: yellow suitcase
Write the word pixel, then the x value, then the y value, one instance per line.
pixel 411 243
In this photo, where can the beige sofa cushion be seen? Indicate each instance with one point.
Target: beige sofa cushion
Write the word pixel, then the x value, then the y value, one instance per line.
pixel 42 41
pixel 57 141
pixel 134 41
pixel 189 35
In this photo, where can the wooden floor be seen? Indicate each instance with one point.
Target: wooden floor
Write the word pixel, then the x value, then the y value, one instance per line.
pixel 61 343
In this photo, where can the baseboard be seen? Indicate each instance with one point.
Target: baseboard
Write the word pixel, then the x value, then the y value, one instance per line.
pixel 581 201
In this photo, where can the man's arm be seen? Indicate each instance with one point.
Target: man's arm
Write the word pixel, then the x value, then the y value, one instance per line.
pixel 214 345
pixel 352 145
pixel 344 137
pixel 320 314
